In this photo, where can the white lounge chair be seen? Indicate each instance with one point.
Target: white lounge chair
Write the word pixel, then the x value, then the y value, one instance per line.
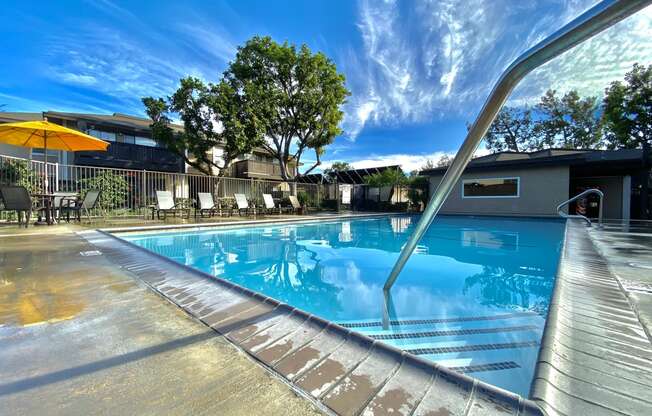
pixel 242 204
pixel 270 206
pixel 207 205
pixel 165 204
pixel 296 205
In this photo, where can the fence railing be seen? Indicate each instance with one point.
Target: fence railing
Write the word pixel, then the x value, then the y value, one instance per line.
pixel 129 192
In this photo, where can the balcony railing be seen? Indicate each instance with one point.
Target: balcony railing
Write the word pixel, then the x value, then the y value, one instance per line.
pixel 257 169
pixel 132 156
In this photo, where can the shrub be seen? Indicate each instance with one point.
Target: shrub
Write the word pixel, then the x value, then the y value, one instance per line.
pixel 19 173
pixel 304 199
pixel 115 188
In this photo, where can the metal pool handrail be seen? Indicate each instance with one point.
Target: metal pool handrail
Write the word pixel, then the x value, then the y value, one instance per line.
pixel 575 198
pixel 593 21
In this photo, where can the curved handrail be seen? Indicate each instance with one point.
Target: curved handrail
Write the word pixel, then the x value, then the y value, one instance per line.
pixel 578 196
pixel 593 21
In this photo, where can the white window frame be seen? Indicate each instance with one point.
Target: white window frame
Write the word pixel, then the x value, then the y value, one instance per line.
pixel 518 188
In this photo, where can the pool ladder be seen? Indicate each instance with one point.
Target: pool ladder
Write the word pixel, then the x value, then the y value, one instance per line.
pixel 575 198
pixel 593 21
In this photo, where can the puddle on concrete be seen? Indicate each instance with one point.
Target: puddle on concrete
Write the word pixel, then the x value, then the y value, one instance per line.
pixel 25 302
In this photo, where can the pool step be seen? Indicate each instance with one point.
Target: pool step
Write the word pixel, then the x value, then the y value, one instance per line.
pixel 469 348
pixel 450 332
pixel 494 347
pixel 374 324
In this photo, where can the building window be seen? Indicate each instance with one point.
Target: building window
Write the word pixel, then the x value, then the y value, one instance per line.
pixel 491 188
pixel 53 155
pixel 145 141
pixel 104 135
pixel 127 138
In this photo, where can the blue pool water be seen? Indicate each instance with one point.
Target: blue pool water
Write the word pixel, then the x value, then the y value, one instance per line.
pixel 473 297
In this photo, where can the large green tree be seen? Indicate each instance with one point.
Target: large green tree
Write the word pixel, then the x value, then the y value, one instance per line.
pixel 213 115
pixel 568 122
pixel 338 167
pixel 628 120
pixel 512 130
pixel 628 110
pixel 298 94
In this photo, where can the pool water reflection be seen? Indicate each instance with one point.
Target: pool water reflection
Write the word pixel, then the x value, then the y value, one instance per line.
pixel 473 297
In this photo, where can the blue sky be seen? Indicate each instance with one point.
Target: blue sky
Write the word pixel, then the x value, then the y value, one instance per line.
pixel 418 70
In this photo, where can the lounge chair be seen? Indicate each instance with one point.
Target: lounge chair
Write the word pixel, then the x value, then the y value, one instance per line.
pixel 242 204
pixel 296 205
pixel 165 204
pixel 77 205
pixel 16 198
pixel 207 205
pixel 270 206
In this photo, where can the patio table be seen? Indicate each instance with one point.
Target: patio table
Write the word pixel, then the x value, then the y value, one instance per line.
pixel 48 205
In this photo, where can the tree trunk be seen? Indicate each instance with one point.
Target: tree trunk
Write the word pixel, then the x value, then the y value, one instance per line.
pixel 645 182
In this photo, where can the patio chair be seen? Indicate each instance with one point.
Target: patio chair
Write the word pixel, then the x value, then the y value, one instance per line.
pixel 165 204
pixel 16 198
pixel 77 205
pixel 207 205
pixel 59 201
pixel 270 206
pixel 296 205
pixel 242 204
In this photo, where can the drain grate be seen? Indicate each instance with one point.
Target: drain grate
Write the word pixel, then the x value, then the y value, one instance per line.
pixel 90 253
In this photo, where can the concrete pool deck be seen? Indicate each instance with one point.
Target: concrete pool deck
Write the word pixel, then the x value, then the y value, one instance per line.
pixel 337 370
pixel 80 335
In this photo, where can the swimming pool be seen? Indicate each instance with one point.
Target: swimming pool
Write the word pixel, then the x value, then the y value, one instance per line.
pixel 474 297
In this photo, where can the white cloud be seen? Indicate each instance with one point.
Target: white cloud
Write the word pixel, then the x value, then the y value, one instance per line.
pixel 80 79
pixel 593 65
pixel 439 58
pixel 407 162
pixel 213 41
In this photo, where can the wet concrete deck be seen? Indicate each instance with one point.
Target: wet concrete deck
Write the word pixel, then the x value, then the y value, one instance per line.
pixel 80 335
pixel 596 353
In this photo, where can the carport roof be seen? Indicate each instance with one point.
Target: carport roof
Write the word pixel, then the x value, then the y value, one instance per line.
pixel 352 176
pixel 547 157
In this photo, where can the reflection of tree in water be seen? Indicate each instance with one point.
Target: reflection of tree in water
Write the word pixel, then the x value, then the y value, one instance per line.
pixel 279 268
pixel 502 287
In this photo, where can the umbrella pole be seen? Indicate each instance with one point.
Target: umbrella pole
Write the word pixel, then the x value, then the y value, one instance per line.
pixel 45 160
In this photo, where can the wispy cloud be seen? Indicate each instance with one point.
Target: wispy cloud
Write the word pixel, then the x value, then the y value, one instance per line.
pixel 407 162
pixel 127 58
pixel 439 58
pixel 594 64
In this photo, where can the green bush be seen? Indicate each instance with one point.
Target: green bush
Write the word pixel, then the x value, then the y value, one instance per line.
pixel 304 199
pixel 115 189
pixel 19 173
pixel 418 191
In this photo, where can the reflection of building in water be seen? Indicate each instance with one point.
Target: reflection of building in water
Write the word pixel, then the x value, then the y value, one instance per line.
pixel 345 236
pixel 489 239
pixel 400 224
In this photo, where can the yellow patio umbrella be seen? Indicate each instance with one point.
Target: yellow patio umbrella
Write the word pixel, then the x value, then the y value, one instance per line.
pixel 46 135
